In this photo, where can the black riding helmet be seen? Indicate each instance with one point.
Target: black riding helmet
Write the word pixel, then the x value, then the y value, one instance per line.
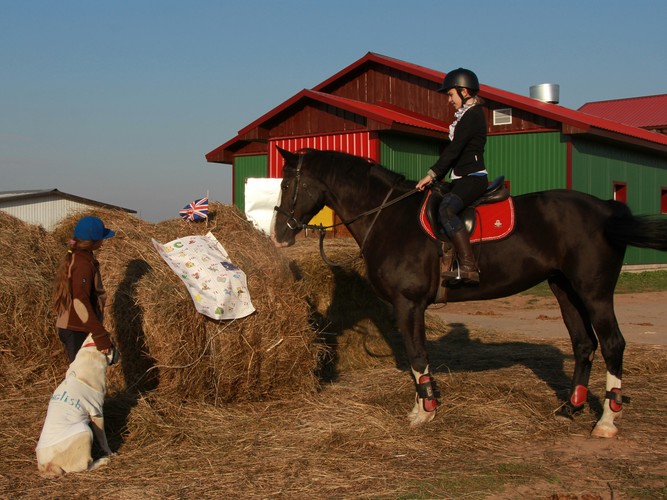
pixel 458 79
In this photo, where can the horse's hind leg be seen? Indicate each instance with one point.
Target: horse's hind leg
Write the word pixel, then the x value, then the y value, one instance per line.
pixel 612 346
pixel 599 302
pixel 584 344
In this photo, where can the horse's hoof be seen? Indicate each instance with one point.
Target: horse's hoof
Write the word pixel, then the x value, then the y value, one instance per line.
pixel 422 418
pixel 418 416
pixel 565 419
pixel 605 431
pixel 567 412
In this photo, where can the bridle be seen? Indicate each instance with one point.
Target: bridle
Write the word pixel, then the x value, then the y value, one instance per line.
pixel 292 223
pixel 295 225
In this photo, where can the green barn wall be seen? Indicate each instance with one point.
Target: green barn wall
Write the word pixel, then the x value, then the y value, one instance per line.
pixel 538 161
pixel 408 155
pixel 597 165
pixel 530 162
pixel 244 168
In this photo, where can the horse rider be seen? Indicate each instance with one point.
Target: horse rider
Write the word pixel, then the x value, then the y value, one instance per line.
pixel 463 159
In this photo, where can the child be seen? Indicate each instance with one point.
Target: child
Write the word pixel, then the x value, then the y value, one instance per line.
pixel 463 158
pixel 78 296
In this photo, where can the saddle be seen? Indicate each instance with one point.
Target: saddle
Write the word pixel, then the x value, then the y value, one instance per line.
pixel 489 218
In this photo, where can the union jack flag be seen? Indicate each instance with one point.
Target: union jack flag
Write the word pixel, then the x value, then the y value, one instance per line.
pixel 195 210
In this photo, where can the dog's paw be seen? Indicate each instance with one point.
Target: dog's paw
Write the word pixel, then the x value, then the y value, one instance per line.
pixel 99 463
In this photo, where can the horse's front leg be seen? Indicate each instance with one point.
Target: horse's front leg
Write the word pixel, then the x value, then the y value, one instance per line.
pixel 410 319
pixel 426 401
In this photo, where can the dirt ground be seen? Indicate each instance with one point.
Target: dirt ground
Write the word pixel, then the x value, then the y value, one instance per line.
pixel 501 367
pixel 642 317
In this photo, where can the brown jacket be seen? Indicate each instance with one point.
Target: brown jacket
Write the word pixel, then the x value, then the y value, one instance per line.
pixel 86 311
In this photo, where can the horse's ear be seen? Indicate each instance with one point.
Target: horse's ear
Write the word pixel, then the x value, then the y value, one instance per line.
pixel 287 155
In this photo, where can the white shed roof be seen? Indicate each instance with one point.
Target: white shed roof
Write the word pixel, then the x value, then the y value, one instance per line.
pixel 29 194
pixel 47 207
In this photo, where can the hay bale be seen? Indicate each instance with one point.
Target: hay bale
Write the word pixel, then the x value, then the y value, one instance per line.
pixel 167 346
pixel 358 326
pixel 28 344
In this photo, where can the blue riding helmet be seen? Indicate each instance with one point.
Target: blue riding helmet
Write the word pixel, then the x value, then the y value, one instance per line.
pixel 92 229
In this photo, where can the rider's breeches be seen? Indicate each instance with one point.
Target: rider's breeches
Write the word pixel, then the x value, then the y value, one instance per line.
pixel 464 191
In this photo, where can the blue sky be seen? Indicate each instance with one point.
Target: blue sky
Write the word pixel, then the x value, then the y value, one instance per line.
pixel 119 101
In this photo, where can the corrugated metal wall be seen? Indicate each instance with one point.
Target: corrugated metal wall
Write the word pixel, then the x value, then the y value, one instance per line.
pixel 45 211
pixel 362 144
pixel 408 155
pixel 596 166
pixel 530 162
pixel 356 143
pixel 245 167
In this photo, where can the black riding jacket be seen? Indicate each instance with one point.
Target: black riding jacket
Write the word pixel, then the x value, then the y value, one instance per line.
pixel 465 153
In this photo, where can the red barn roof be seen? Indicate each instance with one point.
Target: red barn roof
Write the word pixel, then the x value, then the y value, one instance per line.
pixel 572 121
pixel 576 121
pixel 394 118
pixel 645 112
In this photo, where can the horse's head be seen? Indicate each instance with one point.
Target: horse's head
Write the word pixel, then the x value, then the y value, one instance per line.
pixel 302 196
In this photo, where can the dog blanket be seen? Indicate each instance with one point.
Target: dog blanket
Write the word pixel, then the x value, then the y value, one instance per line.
pixel 69 411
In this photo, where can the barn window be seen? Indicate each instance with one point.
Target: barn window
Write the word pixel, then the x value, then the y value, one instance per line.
pixel 663 200
pixel 621 192
pixel 502 116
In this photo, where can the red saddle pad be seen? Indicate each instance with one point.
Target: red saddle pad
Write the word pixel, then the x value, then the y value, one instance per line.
pixel 493 221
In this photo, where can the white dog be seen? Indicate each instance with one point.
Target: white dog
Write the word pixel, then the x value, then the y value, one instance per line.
pixel 66 441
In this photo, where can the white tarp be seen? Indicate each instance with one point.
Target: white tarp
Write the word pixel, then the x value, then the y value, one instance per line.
pixel 261 195
pixel 218 288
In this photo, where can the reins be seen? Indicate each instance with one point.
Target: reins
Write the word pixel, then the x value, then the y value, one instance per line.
pixel 295 225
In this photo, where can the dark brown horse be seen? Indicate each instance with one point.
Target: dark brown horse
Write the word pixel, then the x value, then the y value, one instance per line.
pixel 573 240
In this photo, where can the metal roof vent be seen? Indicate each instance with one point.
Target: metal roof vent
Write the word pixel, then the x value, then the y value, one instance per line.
pixel 545 92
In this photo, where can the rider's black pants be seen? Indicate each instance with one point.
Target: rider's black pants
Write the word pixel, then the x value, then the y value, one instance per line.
pixel 464 191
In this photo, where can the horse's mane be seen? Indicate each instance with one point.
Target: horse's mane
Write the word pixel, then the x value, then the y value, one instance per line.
pixel 346 163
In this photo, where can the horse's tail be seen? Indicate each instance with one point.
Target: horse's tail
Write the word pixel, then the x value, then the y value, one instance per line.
pixel 644 231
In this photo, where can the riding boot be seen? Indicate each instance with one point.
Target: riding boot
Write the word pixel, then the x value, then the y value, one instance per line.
pixel 467 271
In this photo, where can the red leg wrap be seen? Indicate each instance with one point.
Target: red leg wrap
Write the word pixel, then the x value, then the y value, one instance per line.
pixel 615 399
pixel 430 402
pixel 579 396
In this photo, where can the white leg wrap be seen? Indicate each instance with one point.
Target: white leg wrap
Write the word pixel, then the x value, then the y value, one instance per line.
pixel 605 428
pixel 419 415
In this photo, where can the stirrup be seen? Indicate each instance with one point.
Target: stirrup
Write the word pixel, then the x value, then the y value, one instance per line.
pixel 456 278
